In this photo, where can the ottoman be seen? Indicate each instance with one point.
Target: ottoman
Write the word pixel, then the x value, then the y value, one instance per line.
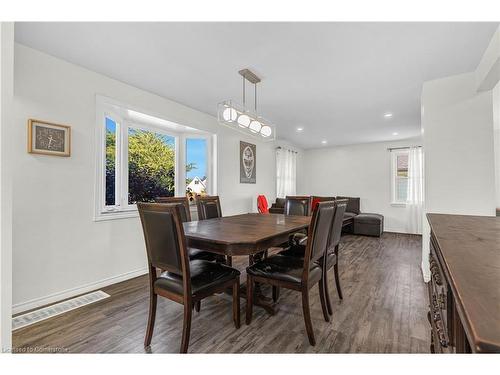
pixel 369 224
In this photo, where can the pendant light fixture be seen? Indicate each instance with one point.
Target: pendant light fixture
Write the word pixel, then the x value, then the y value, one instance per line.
pixel 241 118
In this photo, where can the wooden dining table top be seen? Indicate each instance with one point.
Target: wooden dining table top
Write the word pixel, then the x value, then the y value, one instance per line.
pixel 244 234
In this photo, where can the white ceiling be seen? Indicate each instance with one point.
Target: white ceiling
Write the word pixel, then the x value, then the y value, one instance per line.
pixel 336 80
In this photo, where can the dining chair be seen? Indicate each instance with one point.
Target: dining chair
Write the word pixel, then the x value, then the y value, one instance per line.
pixel 183 203
pixel 296 273
pixel 298 205
pixel 332 255
pixel 209 208
pixel 183 281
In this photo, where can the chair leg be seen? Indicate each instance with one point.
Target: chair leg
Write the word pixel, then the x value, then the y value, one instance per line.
pixel 327 293
pixel 307 316
pixel 197 306
pixel 322 298
pixel 249 306
pixel 337 280
pixel 276 293
pixel 151 319
pixel 186 327
pixel 236 303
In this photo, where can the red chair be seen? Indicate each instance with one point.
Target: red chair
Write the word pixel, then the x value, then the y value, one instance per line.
pixel 262 204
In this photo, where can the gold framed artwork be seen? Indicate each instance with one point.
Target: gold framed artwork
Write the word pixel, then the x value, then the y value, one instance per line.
pixel 48 138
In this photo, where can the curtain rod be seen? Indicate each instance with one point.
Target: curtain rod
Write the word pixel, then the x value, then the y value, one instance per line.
pixel 280 148
pixel 402 148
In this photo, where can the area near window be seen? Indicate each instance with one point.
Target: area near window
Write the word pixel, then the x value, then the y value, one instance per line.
pixel 399 176
pixel 139 159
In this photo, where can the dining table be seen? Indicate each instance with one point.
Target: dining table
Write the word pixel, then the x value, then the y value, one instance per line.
pixel 248 235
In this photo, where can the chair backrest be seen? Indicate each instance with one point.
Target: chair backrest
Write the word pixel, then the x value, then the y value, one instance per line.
pixel 319 233
pixel 352 204
pixel 298 205
pixel 182 201
pixel 208 207
pixel 164 236
pixel 338 218
pixel 316 199
pixel 262 205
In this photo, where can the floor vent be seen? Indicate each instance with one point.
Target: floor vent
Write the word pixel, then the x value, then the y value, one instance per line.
pixel 36 316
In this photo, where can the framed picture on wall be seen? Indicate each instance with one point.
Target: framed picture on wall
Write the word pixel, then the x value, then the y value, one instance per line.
pixel 48 138
pixel 248 163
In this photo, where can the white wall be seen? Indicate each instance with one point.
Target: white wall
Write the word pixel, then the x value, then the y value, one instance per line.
pixel 6 92
pixel 54 237
pixel 459 152
pixel 363 171
pixel 496 131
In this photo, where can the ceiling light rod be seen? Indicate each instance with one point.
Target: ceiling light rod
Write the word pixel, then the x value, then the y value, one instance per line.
pixel 251 77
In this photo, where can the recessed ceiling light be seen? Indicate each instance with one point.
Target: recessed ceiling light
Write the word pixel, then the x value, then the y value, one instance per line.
pixel 395 133
pixel 300 129
pixel 324 141
pixel 388 115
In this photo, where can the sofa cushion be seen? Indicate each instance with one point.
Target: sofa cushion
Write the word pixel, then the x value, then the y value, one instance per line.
pixel 280 203
pixel 352 204
pixel 368 218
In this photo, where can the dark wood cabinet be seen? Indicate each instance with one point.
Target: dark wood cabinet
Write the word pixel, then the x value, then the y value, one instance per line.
pixel 464 290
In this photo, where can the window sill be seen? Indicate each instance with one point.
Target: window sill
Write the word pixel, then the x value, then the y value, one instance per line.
pixel 398 204
pixel 116 215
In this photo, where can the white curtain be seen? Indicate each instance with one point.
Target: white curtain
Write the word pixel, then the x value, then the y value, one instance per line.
pixel 415 197
pixel 286 172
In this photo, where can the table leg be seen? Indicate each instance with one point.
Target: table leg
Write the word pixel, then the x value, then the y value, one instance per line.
pixel 259 298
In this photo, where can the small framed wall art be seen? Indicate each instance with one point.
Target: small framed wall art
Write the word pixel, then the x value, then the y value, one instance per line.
pixel 48 138
pixel 248 163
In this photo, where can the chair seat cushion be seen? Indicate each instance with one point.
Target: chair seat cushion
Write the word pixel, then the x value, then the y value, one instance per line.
pixel 201 254
pixel 284 268
pixel 204 275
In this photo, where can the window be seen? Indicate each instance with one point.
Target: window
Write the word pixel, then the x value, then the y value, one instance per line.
pixel 139 158
pixel 151 165
pixel 399 161
pixel 286 170
pixel 197 156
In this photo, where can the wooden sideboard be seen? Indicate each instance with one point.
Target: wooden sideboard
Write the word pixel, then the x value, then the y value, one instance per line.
pixel 464 291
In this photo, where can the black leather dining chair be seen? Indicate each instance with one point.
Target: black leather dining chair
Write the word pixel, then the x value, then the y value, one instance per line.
pixel 294 273
pixel 209 208
pixel 183 281
pixel 298 205
pixel 183 203
pixel 332 255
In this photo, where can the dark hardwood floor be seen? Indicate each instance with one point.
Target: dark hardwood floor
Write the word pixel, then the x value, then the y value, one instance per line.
pixel 383 311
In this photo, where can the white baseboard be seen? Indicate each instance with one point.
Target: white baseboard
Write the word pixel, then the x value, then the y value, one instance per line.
pixel 73 292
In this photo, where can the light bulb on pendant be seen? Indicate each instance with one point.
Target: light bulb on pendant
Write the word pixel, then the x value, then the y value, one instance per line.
pixel 229 114
pixel 244 121
pixel 266 131
pixel 255 126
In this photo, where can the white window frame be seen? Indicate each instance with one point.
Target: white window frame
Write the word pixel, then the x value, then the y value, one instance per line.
pixel 394 177
pixel 104 108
